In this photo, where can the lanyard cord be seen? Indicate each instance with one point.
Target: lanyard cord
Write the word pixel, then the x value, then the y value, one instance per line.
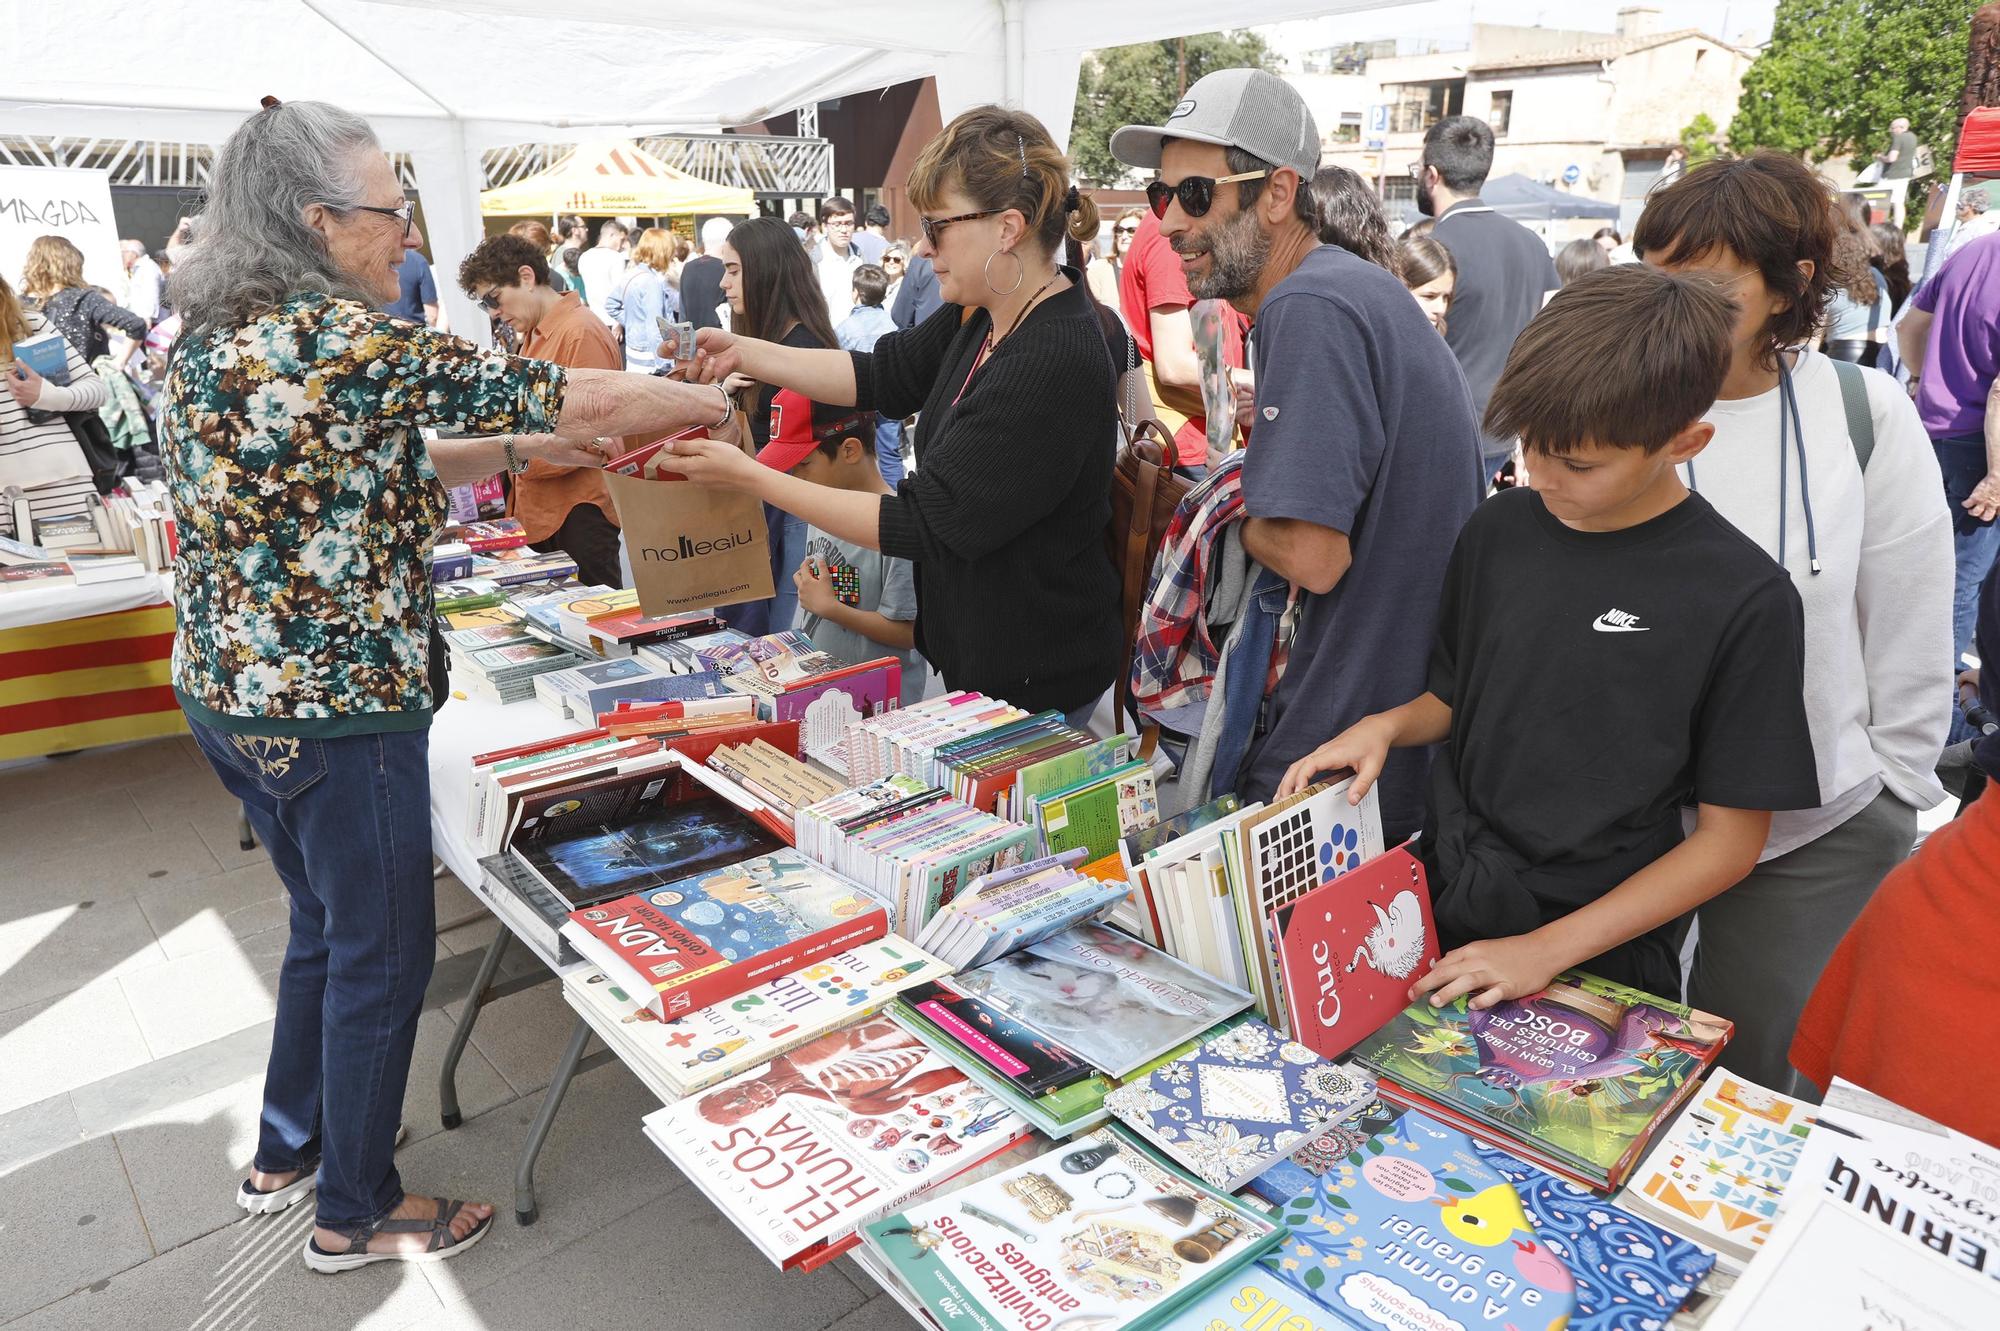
pixel 1788 406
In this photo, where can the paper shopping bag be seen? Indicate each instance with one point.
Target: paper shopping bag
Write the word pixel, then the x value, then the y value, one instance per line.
pixel 692 547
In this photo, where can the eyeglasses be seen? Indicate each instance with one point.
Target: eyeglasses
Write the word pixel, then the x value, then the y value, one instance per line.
pixel 895 259
pixel 1416 170
pixel 490 302
pixel 934 226
pixel 1132 230
pixel 1196 193
pixel 405 210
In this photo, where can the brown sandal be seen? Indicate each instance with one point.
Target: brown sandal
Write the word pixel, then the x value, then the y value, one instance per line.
pixel 441 1247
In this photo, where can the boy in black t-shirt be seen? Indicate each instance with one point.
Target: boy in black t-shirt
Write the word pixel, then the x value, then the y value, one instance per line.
pixel 1609 649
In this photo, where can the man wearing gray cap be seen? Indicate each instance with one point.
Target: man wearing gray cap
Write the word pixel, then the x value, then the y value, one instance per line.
pixel 1363 460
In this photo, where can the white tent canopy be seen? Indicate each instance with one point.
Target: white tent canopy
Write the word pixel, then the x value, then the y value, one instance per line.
pixel 445 80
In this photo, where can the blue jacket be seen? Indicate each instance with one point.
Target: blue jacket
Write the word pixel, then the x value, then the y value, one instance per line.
pixel 858 331
pixel 638 305
pixel 918 297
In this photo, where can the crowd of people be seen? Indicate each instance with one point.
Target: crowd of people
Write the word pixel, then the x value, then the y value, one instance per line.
pixel 1665 709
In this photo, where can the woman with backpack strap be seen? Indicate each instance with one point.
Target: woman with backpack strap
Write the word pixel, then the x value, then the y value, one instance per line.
pixel 1866 538
pixel 1005 520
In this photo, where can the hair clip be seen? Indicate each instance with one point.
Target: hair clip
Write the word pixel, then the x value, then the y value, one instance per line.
pixel 1022 144
pixel 267 102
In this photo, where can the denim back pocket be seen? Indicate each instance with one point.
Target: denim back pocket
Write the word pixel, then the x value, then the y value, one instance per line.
pixel 280 765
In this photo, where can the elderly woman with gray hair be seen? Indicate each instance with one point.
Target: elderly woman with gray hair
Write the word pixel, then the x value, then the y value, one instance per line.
pixel 306 501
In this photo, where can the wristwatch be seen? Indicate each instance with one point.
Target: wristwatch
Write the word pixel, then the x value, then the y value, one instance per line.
pixel 515 464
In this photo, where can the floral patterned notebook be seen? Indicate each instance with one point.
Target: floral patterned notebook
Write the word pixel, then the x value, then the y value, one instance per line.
pixel 1228 1109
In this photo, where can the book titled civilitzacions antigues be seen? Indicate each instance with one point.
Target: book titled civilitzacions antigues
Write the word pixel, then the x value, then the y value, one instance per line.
pixel 1101 1235
pixel 1576 1078
pixel 709 1045
pixel 838 1131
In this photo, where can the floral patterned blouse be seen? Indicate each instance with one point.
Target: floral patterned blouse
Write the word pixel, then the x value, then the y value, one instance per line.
pixel 306 503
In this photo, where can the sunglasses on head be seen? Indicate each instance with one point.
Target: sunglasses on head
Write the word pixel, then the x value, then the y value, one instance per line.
pixel 1196 193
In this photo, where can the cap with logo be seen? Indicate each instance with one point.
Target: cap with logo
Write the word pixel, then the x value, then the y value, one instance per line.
pixel 798 424
pixel 1232 108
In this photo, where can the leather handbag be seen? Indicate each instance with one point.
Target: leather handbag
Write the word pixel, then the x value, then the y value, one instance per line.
pixel 1145 492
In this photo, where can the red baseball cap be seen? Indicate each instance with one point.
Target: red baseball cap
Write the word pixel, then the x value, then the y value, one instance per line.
pixel 798 425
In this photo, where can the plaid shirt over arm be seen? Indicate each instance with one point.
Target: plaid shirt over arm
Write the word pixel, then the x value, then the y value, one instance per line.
pixel 1174 656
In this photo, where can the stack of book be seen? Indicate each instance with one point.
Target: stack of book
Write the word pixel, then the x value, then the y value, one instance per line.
pixel 516 567
pixel 1099 1235
pixel 1012 908
pixel 1576 1079
pixel 687 942
pixel 1054 1028
pixel 900 743
pixel 838 1102
pixel 912 844
pixel 712 1044
pixel 466 594
pixel 1207 895
pixel 487 535
pixel 505 673
pixel 720 650
pixel 792 680
pixel 774 776
pixel 1719 1173
pixel 582 692
pixel 136 523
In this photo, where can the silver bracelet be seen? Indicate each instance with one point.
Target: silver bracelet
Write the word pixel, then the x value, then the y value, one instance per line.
pixel 514 463
pixel 728 408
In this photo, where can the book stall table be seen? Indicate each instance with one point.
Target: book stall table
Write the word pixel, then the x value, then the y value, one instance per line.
pixel 82 666
pixel 463 727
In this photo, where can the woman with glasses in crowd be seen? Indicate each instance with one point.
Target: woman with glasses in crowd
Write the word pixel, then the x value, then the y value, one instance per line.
pixel 1005 519
pixel 305 656
pixel 895 263
pixel 1122 233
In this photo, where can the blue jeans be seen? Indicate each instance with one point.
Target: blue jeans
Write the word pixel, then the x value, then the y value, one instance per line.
pixel 1974 543
pixel 347 823
pixel 889 450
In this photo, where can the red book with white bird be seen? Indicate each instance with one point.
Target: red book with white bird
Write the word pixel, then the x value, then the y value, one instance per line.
pixel 1350 949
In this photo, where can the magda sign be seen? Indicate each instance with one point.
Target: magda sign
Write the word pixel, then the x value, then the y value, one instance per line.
pixel 61 201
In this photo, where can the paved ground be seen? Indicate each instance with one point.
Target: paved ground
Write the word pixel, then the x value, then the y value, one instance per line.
pixel 138 958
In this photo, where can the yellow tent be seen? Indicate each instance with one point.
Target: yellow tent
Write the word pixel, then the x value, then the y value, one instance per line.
pixel 613 180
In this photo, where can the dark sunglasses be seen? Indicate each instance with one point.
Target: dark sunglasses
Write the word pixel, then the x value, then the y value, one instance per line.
pixel 934 226
pixel 406 212
pixel 1132 230
pixel 490 302
pixel 1196 193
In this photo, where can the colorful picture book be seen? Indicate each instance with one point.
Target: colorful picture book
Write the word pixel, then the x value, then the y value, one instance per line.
pixel 1101 1235
pixel 1104 996
pixel 1349 950
pixel 1139 913
pixel 1287 1178
pixel 616 841
pixel 1094 813
pixel 1255 1299
pixel 1423 1232
pixel 1032 1063
pixel 1719 1172
pixel 1576 1078
pixel 1090 758
pixel 708 937
pixel 1239 1102
pixel 698 1049
pixel 844 1128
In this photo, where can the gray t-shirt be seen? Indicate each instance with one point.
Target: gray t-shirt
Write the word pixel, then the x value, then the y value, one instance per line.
pixel 886 586
pixel 1904 145
pixel 1363 425
pixel 1503 271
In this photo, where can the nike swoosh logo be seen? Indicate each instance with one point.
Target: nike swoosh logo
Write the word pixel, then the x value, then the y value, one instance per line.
pixel 1603 627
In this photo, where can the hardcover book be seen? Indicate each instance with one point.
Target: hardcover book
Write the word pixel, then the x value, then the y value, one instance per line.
pixel 1576 1078
pixel 1031 1061
pixel 1719 1172
pixel 613 842
pixel 712 936
pixel 842 1129
pixel 1349 950
pixel 1104 996
pixel 1423 1232
pixel 1100 1236
pixel 695 1051
pixel 1095 813
pixel 1234 1105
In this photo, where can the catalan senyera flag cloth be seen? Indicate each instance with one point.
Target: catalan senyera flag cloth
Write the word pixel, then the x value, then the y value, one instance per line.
pixel 77 683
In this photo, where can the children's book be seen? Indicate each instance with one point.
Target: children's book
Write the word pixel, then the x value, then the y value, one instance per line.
pixel 695 1051
pixel 1631 1275
pixel 617 840
pixel 1719 1172
pixel 1101 1236
pixel 1239 1102
pixel 1103 995
pixel 1576 1078
pixel 712 936
pixel 1093 814
pixel 1349 950
pixel 1423 1232
pixel 1256 1299
pixel 844 1128
pixel 1294 1174
pixel 1139 913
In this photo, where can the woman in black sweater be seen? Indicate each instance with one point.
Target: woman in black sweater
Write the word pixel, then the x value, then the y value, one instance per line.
pixel 1005 519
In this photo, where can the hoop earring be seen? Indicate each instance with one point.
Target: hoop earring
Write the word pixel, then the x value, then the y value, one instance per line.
pixel 1020 271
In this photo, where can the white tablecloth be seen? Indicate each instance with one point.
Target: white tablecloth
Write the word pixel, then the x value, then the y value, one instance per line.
pixel 463 727
pixel 29 606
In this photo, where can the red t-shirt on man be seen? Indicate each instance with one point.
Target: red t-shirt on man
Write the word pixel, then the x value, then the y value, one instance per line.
pixel 1153 280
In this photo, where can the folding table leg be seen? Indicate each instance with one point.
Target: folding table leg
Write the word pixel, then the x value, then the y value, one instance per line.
pixel 448 1074
pixel 525 1210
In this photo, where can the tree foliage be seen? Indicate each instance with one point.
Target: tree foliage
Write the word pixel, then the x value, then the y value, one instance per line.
pixel 1139 85
pixel 1836 72
pixel 1698 137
